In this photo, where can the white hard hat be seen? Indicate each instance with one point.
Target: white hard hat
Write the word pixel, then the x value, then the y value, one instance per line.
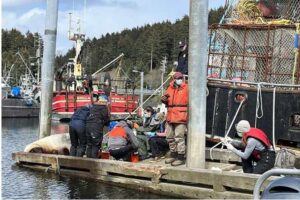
pixel 242 127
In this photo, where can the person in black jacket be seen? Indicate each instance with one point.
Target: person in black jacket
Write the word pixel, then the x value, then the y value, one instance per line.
pixel 77 131
pixel 98 118
pixel 182 65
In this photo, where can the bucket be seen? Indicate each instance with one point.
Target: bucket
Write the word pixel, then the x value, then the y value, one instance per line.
pixel 104 155
pixel 134 158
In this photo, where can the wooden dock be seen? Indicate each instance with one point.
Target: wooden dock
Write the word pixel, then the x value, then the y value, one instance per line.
pixel 150 177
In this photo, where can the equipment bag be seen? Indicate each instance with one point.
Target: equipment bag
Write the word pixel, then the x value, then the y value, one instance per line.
pixel 285 158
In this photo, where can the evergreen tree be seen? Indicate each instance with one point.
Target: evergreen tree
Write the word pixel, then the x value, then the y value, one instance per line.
pixel 138 44
pixel 14 43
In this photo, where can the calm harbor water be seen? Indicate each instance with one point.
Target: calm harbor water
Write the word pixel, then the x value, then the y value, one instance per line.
pixel 21 183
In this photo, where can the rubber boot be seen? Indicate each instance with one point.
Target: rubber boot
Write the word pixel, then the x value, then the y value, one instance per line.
pixel 172 158
pixel 179 161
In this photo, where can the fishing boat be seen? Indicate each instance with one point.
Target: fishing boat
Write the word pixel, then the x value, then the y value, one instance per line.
pixel 74 88
pixel 19 101
pixel 22 100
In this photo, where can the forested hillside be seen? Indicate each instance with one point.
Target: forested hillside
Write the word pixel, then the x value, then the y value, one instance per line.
pixel 159 39
pixel 13 42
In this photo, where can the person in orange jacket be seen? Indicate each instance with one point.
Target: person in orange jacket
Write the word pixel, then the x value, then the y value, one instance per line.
pixel 176 100
pixel 121 141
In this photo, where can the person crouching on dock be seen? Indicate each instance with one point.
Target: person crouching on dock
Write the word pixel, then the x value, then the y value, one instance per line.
pixel 95 123
pixel 258 149
pixel 121 141
pixel 176 100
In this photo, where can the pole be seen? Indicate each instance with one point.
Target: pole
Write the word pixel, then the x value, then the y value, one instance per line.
pixel 162 81
pixel 108 64
pixel 48 68
pixel 38 55
pixel 38 70
pixel 142 91
pixel 27 68
pixel 198 30
pixel 163 70
pixel 151 59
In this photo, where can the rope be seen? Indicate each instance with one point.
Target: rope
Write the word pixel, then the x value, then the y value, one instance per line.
pixel 226 135
pixel 247 10
pixel 259 104
pixel 140 106
pixel 296 51
pixel 248 13
pixel 273 120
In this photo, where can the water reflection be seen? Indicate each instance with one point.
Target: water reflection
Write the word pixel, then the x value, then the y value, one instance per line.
pixel 21 183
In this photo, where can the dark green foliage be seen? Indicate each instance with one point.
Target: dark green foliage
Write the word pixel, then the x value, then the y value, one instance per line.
pixel 14 41
pixel 137 44
pixel 215 15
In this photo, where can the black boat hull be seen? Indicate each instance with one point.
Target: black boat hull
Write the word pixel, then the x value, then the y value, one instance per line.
pixel 222 106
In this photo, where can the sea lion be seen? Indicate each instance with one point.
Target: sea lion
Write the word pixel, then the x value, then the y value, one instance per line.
pixel 53 144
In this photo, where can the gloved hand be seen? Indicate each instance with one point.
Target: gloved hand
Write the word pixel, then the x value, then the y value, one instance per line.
pixel 226 140
pixel 164 99
pixel 229 146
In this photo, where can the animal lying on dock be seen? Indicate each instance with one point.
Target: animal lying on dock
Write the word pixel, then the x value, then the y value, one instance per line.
pixel 53 144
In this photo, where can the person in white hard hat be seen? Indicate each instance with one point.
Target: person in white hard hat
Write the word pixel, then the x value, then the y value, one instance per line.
pixel 257 149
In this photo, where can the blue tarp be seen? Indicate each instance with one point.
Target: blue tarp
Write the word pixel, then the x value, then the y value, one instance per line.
pixel 16 91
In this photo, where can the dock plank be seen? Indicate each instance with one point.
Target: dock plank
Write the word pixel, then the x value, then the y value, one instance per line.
pixel 163 179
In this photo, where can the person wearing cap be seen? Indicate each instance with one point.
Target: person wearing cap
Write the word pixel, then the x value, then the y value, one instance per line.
pixel 182 59
pixel 97 119
pixel 258 148
pixel 121 141
pixel 176 100
pixel 77 131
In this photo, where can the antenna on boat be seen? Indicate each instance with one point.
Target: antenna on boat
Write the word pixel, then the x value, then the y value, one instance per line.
pixel 84 16
pixel 79 38
pixel 18 53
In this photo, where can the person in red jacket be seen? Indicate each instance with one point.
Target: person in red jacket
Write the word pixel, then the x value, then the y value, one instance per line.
pixel 176 100
pixel 258 149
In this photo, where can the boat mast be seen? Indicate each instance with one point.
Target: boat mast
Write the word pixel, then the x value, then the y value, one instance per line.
pixel 48 68
pixel 79 39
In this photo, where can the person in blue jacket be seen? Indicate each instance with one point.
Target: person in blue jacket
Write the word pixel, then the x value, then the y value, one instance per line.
pixel 77 131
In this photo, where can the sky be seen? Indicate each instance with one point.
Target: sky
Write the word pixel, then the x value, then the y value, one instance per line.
pixel 97 18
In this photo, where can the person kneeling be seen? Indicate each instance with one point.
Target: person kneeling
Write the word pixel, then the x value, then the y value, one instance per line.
pixel 122 142
pixel 258 149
